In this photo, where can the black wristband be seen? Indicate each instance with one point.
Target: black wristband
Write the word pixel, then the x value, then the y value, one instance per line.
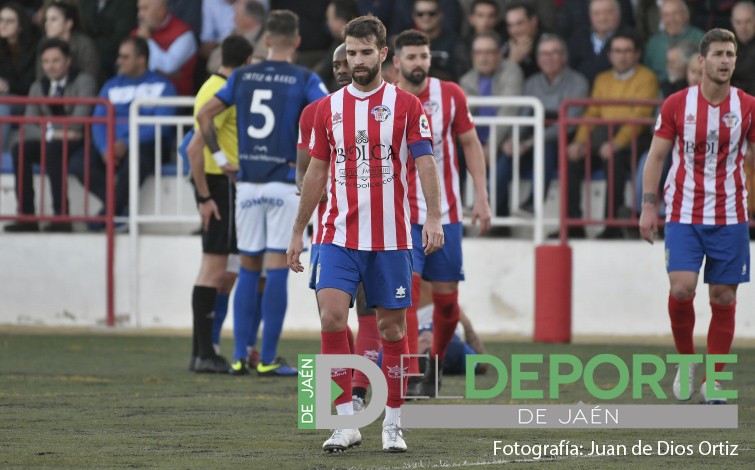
pixel 202 200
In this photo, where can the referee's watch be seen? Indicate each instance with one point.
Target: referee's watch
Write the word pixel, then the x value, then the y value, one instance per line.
pixel 203 199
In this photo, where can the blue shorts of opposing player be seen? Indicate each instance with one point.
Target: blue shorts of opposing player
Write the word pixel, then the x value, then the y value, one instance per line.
pixel 386 275
pixel 446 264
pixel 726 249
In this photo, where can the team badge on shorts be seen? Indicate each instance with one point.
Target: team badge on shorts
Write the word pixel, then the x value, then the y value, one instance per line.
pixel 381 113
pixel 730 120
pixel 401 292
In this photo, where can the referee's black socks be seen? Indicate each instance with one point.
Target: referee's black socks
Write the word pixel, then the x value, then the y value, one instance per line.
pixel 203 306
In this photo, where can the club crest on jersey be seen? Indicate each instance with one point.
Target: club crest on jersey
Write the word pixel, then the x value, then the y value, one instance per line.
pixel 362 137
pixel 730 120
pixel 430 107
pixel 381 113
pixel 337 118
pixel 424 126
pixel 690 119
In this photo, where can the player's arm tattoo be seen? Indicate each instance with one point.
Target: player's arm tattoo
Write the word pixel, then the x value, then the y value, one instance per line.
pixel 210 134
pixel 206 120
pixel 649 198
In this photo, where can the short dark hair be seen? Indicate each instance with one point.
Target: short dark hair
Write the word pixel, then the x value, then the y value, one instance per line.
pixel 388 62
pixel 346 10
pixel 282 23
pixel 366 27
pixel 491 3
pixel 141 48
pixel 70 11
pixel 528 10
pixel 626 34
pixel 490 35
pixel 255 9
pixel 55 43
pixel 410 37
pixel 235 50
pixel 437 2
pixel 716 35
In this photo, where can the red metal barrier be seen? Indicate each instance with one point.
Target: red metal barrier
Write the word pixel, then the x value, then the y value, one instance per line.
pixel 109 121
pixel 564 123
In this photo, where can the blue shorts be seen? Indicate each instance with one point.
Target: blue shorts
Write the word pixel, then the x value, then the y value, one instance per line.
pixel 726 249
pixel 445 264
pixel 386 275
pixel 314 256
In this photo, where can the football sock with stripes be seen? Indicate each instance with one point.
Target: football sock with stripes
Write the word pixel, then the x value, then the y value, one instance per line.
pixel 202 304
pixel 274 303
pixel 368 345
pixel 244 304
pixel 445 319
pixel 394 374
pixel 682 314
pixel 336 342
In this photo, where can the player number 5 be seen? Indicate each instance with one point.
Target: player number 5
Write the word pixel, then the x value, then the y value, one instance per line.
pixel 258 107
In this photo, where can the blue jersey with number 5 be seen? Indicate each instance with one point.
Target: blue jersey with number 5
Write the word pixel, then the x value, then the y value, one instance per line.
pixel 269 98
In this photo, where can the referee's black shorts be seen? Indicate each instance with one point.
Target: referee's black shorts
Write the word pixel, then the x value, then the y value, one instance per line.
pixel 220 236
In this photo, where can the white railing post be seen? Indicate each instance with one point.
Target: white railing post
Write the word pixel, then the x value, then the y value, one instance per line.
pixel 135 217
pixel 536 121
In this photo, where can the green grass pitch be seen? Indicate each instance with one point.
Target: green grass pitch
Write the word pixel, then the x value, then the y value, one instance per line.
pixel 128 401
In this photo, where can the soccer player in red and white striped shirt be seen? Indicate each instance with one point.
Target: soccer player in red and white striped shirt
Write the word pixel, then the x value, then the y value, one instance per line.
pixel 367 342
pixel 361 140
pixel 446 107
pixel 710 127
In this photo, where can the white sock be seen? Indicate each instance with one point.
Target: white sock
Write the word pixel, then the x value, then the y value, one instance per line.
pixel 345 409
pixel 392 416
pixel 216 347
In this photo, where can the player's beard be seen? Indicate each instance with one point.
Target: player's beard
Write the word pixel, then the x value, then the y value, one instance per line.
pixel 416 76
pixel 365 79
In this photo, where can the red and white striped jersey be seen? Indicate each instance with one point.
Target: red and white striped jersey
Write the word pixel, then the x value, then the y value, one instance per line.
pixel 306 121
pixel 367 139
pixel 706 182
pixel 446 107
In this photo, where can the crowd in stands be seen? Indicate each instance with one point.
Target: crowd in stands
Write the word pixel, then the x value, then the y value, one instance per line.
pixel 552 49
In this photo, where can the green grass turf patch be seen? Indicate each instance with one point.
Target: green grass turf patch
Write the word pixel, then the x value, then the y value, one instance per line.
pixel 126 401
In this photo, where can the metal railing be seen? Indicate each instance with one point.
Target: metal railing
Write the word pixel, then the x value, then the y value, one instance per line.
pixel 537 121
pixel 159 217
pixel 109 205
pixel 564 121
